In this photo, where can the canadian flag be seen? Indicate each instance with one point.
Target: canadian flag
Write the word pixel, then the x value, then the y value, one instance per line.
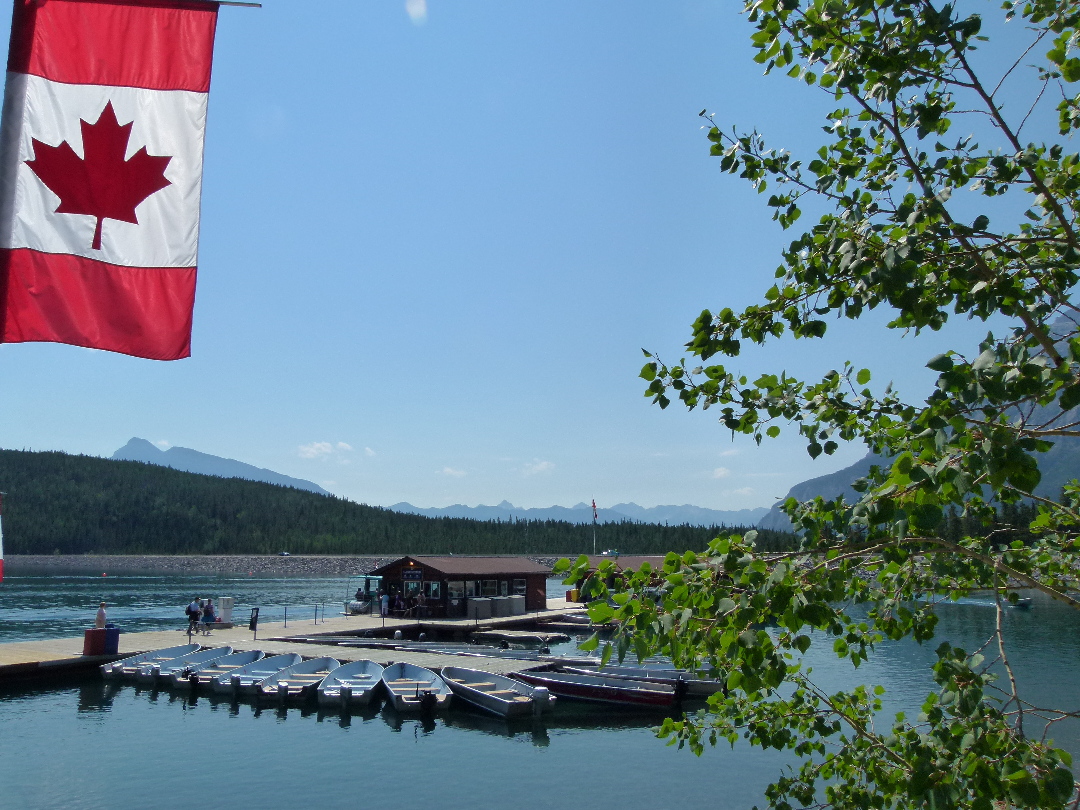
pixel 101 152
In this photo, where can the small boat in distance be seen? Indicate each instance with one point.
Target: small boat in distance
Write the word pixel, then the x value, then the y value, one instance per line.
pixel 204 674
pixel 599 689
pixel 164 670
pixel 497 693
pixel 414 689
pixel 1023 603
pixel 352 684
pixel 129 667
pixel 298 681
pixel 246 679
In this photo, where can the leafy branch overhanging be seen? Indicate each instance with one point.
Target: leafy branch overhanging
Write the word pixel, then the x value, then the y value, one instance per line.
pixel 899 233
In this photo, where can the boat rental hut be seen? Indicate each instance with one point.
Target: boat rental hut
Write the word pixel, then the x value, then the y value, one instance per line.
pixel 465 586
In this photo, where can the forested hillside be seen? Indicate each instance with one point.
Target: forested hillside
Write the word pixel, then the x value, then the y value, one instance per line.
pixel 80 504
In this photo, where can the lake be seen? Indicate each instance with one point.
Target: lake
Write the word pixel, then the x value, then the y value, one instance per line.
pixel 84 744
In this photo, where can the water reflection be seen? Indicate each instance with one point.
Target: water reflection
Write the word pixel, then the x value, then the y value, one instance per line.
pixel 424 722
pixel 96 696
pixel 468 720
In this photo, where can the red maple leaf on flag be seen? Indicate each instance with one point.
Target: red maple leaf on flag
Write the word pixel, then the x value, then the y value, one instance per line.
pixel 101 184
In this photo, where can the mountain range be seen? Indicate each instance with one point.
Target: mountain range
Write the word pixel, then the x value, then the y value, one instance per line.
pixel 1058 465
pixel 582 513
pixel 187 460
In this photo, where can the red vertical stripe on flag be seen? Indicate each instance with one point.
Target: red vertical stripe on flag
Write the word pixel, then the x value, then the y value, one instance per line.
pixel 166 45
pixel 141 311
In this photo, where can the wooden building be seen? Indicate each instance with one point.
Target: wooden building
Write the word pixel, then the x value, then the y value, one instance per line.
pixel 447 583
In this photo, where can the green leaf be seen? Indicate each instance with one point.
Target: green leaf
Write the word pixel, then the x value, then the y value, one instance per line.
pixel 941 362
pixel 863 377
pixel 600 612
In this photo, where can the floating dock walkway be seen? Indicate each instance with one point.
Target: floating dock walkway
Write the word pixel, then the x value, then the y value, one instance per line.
pixel 44 659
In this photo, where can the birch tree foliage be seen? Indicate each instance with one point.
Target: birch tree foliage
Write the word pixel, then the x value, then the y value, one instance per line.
pixel 948 174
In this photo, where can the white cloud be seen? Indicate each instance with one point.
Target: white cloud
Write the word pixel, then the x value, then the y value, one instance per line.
pixel 729 453
pixel 369 452
pixel 537 466
pixel 417 11
pixel 451 472
pixel 721 472
pixel 745 492
pixel 320 449
pixel 161 444
pixel 316 449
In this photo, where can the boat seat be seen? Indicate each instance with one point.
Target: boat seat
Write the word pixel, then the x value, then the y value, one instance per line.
pixel 479 684
pixel 503 692
pixel 405 682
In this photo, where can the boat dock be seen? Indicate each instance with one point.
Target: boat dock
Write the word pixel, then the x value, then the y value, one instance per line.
pixel 44 659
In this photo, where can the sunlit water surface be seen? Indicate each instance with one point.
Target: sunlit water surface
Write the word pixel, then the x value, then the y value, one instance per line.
pixel 85 744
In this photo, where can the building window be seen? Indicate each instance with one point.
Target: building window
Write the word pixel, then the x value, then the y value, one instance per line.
pixel 504 588
pixel 472 589
pixel 455 590
pixel 519 587
pixel 433 590
pixel 491 587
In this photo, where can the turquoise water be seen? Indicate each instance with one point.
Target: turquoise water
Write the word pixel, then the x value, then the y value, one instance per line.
pixel 52 606
pixel 88 745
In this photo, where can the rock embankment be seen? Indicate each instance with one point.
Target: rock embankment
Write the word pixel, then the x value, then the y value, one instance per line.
pixel 299 565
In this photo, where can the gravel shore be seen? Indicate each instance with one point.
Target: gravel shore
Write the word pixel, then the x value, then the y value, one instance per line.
pixel 299 565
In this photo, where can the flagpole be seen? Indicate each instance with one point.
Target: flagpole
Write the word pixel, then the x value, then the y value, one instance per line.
pixel 594 527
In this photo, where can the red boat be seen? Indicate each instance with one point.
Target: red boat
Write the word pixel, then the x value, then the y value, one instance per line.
pixel 598 689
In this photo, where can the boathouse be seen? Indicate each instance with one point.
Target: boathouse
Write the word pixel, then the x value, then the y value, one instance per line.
pixel 504 585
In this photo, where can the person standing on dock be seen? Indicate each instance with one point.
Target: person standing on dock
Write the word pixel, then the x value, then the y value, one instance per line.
pixel 99 622
pixel 194 613
pixel 384 604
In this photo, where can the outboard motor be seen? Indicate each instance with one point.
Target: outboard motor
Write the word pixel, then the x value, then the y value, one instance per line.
pixel 428 702
pixel 541 698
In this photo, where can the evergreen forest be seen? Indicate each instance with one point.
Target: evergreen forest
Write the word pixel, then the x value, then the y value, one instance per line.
pixel 57 503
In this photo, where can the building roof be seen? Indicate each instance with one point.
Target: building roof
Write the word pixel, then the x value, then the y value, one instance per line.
pixel 480 566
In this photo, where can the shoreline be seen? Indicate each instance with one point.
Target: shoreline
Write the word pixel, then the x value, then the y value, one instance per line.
pixel 298 565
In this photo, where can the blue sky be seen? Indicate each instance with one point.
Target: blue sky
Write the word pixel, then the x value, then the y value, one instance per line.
pixel 436 236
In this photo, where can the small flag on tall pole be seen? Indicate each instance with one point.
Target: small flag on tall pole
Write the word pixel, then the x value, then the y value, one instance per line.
pixel 594 527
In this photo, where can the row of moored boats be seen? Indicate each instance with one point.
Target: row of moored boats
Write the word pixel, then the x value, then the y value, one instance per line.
pixel 291 678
